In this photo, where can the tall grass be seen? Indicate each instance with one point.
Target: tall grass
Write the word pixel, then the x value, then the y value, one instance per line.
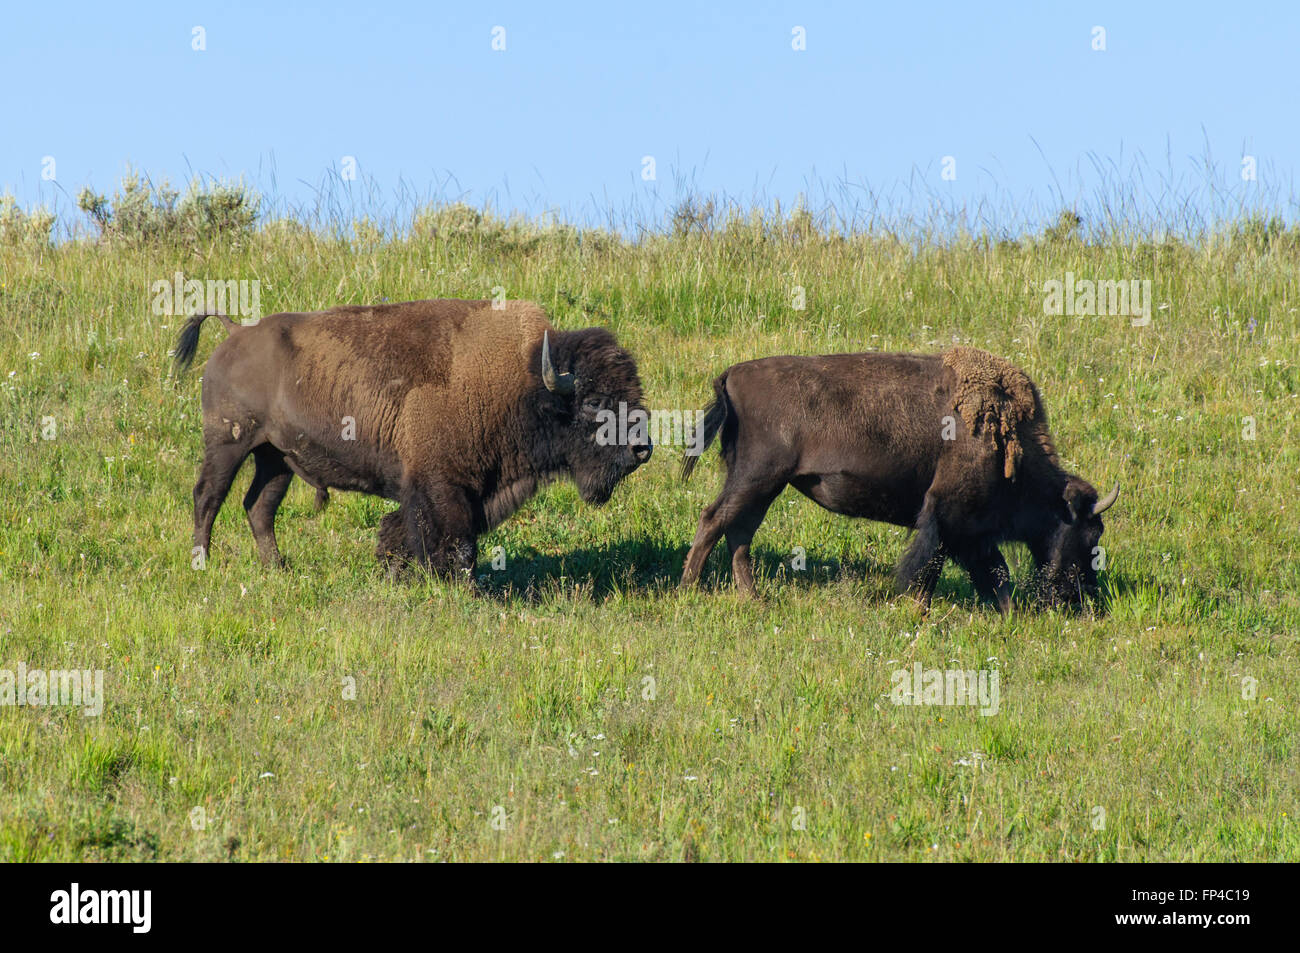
pixel 582 708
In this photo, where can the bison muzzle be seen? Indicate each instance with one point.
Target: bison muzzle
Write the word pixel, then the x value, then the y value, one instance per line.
pixel 458 410
pixel 955 446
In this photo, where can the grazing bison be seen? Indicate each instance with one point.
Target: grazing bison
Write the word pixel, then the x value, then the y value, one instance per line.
pixel 955 446
pixel 455 409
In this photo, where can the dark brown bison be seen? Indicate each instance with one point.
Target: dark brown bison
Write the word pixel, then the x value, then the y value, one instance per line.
pixel 455 409
pixel 955 446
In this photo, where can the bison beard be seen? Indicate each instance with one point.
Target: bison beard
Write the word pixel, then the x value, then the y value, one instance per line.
pixel 955 446
pixel 456 409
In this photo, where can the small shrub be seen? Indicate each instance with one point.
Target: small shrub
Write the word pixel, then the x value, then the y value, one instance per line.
pixel 693 215
pixel 24 227
pixel 1066 229
pixel 1258 234
pixel 456 222
pixel 142 213
pixel 220 210
pixel 459 223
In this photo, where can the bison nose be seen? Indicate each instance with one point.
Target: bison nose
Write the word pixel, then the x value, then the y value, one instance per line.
pixel 642 453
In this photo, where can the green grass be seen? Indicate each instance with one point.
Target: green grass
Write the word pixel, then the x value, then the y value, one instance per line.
pixel 520 724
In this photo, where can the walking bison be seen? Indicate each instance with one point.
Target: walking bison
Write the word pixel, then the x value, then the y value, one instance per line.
pixel 954 445
pixel 458 410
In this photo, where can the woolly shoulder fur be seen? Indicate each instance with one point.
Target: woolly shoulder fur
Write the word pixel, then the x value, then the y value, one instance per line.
pixel 999 404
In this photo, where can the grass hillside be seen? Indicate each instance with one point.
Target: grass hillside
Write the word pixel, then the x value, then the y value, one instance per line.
pixel 582 708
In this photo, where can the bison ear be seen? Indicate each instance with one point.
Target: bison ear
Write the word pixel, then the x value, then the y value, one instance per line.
pixel 1078 498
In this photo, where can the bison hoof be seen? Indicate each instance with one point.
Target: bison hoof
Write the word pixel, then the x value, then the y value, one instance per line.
pixel 272 559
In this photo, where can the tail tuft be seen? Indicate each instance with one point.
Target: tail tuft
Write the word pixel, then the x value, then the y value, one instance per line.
pixel 715 415
pixel 188 342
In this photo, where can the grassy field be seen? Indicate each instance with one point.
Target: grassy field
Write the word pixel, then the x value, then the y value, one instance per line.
pixel 521 724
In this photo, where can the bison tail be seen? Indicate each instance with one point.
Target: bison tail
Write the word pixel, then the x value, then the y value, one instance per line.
pixel 715 415
pixel 188 342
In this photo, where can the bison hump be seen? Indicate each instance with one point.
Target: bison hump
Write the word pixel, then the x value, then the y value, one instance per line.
pixel 997 400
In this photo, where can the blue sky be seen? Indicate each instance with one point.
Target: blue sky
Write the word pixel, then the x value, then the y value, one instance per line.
pixel 561 119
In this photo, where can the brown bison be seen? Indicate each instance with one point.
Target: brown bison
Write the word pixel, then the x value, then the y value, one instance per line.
pixel 458 410
pixel 954 446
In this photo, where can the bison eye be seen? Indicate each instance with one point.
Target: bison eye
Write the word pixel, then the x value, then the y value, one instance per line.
pixel 593 405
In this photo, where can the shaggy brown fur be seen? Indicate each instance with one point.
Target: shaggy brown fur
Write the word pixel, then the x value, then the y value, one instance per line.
pixel 999 403
pixel 954 446
pixel 439 405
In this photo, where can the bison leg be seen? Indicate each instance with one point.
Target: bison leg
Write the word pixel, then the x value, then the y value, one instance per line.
pixel 392 549
pixel 440 530
pixel 918 571
pixel 395 552
pixel 706 537
pixel 739 535
pixel 747 503
pixel 989 574
pixel 217 472
pixel 270 483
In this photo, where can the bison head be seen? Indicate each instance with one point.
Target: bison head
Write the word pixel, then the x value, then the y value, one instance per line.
pixel 1070 558
pixel 595 427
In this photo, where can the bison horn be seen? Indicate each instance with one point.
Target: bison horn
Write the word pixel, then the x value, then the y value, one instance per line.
pixel 1102 505
pixel 555 383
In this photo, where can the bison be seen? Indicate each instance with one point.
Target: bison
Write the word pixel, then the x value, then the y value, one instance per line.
pixel 458 410
pixel 954 446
